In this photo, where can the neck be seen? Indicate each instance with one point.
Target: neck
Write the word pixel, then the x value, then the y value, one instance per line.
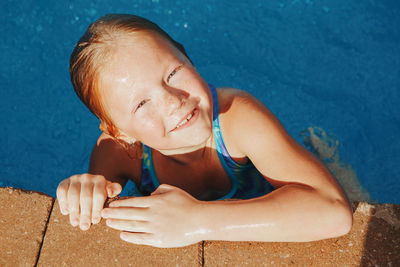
pixel 187 155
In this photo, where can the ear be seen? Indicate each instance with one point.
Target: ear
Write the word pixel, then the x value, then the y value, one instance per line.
pixel 118 135
pixel 124 137
pixel 132 146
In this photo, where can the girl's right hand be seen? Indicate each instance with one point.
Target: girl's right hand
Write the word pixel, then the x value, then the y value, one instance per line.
pixel 83 196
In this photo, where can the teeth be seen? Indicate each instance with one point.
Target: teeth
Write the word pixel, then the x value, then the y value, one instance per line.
pixel 185 120
pixel 182 123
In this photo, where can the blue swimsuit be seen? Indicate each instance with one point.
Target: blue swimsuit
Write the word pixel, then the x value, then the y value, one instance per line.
pixel 247 181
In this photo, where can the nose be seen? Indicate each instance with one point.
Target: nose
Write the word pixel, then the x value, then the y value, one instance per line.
pixel 173 99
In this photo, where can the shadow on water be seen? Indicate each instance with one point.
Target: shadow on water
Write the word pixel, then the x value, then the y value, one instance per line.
pixel 326 149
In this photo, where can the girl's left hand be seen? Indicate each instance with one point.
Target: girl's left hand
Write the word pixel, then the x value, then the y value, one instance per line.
pixel 167 218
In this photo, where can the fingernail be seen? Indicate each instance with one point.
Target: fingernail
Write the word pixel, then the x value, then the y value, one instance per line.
pixel 95 220
pixel 123 236
pixel 85 226
pixel 75 222
pixel 63 211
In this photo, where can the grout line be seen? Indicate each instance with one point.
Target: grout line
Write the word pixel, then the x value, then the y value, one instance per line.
pixel 44 232
pixel 202 253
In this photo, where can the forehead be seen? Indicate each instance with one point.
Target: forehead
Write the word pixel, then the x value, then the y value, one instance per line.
pixel 144 47
pixel 139 53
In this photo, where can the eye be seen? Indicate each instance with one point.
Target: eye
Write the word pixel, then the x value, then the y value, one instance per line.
pixel 173 72
pixel 141 104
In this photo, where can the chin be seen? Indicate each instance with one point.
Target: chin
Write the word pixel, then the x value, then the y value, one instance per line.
pixel 185 142
pixel 199 138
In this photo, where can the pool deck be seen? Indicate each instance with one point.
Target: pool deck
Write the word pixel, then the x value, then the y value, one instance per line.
pixel 35 233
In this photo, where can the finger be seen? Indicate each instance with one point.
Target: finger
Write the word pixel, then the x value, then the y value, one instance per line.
pixel 73 202
pixel 140 239
pixel 140 214
pixel 139 202
pixel 99 197
pixel 86 199
pixel 128 225
pixel 62 191
pixel 113 189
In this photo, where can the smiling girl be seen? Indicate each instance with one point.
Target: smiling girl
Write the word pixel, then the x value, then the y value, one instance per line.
pixel 188 146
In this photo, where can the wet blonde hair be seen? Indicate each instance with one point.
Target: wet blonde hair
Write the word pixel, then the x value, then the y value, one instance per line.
pixel 92 52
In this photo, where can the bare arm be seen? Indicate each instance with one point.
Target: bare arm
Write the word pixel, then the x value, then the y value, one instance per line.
pixel 106 159
pixel 308 203
pixel 112 161
pixel 82 196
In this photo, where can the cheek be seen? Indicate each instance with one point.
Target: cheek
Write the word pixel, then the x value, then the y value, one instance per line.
pixel 146 125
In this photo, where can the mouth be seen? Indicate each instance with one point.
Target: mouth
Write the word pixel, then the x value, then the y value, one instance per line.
pixel 188 120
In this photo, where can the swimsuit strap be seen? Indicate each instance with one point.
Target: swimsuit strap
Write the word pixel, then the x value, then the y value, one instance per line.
pixel 149 181
pixel 247 181
pixel 232 168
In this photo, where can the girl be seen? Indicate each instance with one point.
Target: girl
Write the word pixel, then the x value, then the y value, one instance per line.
pixel 184 142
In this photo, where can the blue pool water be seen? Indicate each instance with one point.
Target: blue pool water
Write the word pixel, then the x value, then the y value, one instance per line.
pixel 329 70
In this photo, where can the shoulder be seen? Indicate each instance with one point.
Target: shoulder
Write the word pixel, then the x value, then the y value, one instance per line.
pixel 244 117
pixel 254 131
pixel 110 158
pixel 233 102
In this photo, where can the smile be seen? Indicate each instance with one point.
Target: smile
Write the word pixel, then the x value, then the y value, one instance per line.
pixel 188 120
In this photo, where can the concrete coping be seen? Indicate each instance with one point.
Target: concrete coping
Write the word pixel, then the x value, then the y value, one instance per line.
pixel 34 233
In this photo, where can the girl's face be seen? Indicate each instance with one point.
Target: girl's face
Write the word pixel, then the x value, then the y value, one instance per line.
pixel 153 94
